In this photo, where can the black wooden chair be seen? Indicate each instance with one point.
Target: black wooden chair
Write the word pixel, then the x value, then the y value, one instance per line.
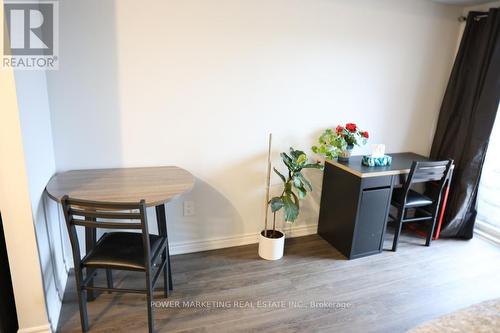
pixel 131 251
pixel 423 207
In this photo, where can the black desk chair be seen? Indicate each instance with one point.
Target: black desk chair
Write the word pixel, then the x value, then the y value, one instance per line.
pixel 425 207
pixel 131 251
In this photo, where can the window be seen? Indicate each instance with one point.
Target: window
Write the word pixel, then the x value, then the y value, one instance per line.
pixel 488 216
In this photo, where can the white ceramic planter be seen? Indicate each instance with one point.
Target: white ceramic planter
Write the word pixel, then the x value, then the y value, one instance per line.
pixel 271 248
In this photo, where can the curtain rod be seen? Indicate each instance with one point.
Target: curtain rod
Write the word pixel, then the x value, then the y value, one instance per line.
pixel 476 18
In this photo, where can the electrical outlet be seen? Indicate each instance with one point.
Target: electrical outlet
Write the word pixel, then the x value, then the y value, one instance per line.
pixel 188 208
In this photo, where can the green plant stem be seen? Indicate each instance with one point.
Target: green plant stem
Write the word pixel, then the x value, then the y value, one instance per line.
pixel 274 223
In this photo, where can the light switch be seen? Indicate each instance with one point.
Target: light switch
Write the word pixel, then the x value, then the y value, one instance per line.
pixel 189 208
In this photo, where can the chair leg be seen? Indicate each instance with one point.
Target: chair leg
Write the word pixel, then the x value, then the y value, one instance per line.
pixel 90 240
pixel 170 281
pixel 82 301
pixel 162 230
pixel 166 274
pixel 397 231
pixel 430 232
pixel 90 293
pixel 109 278
pixel 149 293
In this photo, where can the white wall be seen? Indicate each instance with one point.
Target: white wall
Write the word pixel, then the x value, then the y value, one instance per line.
pixel 34 113
pixel 199 84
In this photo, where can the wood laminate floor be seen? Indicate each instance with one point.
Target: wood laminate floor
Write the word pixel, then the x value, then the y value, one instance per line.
pixel 312 289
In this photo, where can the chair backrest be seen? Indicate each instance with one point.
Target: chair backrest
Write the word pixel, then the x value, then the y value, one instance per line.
pixel 105 215
pixel 428 171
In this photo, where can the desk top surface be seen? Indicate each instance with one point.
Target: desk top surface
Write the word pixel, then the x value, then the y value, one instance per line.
pixel 401 164
pixel 156 185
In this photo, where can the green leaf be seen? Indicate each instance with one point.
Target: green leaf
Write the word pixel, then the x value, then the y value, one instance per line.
pixel 279 174
pixel 316 165
pixel 287 160
pixel 304 181
pixel 276 204
pixel 291 210
pixel 302 159
pixel 302 192
pixel 296 200
pixel 296 153
pixel 296 181
pixel 300 185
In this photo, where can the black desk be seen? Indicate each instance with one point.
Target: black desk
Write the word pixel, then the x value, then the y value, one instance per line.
pixel 355 202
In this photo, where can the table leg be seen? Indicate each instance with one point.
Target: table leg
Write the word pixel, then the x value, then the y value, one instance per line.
pixel 90 240
pixel 162 231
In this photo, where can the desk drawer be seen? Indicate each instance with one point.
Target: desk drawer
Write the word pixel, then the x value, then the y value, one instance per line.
pixel 379 181
pixel 370 223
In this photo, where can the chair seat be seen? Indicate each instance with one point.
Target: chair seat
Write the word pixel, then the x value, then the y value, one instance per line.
pixel 414 199
pixel 120 250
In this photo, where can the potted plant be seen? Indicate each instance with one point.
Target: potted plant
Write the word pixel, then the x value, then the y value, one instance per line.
pixel 339 143
pixel 295 188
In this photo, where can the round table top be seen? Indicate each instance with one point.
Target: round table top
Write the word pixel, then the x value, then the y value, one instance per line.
pixel 156 185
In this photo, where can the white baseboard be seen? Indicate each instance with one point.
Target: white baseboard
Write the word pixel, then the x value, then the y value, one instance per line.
pixel 54 322
pixel 487 232
pixel 303 230
pixel 36 329
pixel 238 240
pixel 487 236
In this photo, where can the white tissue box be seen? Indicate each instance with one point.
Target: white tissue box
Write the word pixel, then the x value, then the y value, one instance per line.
pixel 378 150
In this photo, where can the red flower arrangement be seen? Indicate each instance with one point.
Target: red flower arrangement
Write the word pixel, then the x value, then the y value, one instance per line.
pixel 351 133
pixel 351 127
pixel 333 144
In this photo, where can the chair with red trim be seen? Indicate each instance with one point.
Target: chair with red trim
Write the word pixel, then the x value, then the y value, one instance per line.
pixel 413 206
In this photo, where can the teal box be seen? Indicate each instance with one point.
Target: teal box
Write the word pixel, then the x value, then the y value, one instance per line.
pixel 368 160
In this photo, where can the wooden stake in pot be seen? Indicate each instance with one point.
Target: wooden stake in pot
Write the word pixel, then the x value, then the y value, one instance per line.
pixel 268 183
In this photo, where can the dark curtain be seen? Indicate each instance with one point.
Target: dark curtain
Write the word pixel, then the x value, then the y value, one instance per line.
pixel 467 116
